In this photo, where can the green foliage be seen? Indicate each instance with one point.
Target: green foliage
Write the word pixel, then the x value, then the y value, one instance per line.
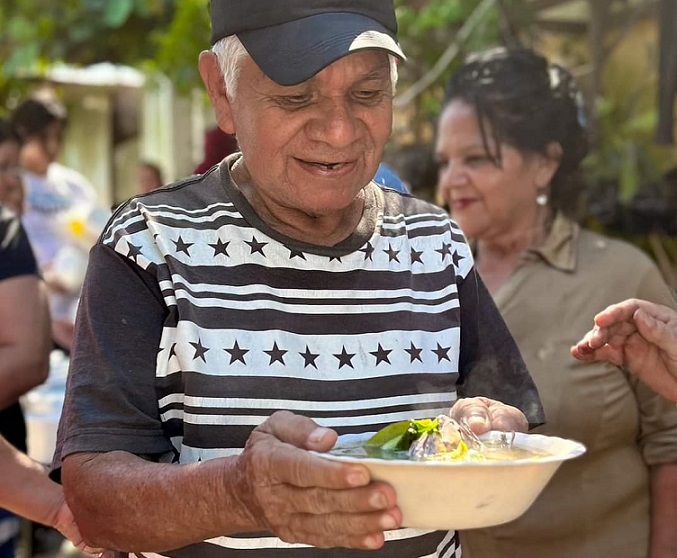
pixel 35 33
pixel 426 29
pixel 180 46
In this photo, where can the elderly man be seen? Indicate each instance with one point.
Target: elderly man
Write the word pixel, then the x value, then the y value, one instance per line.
pixel 237 319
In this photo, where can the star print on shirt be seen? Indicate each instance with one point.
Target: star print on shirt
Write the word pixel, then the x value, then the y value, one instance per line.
pixel 414 353
pixel 456 258
pixel 237 353
pixel 416 256
pixel 182 246
pixel 294 254
pixel 445 250
pixel 276 355
pixel 256 246
pixel 309 358
pixel 337 258
pixel 172 351
pixel 381 355
pixel 220 247
pixel 368 251
pixel 345 358
pixel 441 353
pixel 200 351
pixel 392 253
pixel 134 251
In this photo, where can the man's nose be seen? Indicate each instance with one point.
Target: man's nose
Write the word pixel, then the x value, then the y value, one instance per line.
pixel 335 124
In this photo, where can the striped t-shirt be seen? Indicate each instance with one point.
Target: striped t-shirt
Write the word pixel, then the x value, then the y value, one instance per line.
pixel 227 321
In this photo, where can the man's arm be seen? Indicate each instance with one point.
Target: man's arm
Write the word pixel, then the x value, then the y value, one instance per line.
pixel 274 485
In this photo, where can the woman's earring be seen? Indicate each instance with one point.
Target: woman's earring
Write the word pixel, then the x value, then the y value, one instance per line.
pixel 542 199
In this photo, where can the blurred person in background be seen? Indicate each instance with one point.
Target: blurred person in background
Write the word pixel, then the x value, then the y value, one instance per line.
pixel 386 176
pixel 61 215
pixel 217 146
pixel 25 343
pixel 149 177
pixel 11 185
pixel 509 145
pixel 24 325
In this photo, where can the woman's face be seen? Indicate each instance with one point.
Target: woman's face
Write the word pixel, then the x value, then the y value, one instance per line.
pixel 486 199
pixel 11 187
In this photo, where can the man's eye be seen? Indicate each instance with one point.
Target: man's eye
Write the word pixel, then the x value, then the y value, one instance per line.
pixel 294 100
pixel 368 95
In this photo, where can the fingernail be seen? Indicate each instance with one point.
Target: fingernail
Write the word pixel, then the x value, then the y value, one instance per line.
pixel 316 435
pixel 378 500
pixel 358 478
pixel 372 541
pixel 388 523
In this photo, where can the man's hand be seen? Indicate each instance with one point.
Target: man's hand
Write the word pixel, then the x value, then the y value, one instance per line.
pixel 303 498
pixel 639 336
pixel 484 414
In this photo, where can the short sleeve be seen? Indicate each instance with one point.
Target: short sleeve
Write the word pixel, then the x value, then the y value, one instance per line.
pixel 490 363
pixel 16 256
pixel 111 401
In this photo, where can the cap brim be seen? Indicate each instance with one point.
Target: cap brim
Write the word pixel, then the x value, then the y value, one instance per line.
pixel 291 53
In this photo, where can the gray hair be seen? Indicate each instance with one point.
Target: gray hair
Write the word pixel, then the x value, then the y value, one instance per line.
pixel 230 52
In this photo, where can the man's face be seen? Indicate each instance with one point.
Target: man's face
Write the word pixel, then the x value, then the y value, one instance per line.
pixel 312 147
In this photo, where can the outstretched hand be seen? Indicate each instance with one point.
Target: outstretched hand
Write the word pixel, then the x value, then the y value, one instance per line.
pixel 639 336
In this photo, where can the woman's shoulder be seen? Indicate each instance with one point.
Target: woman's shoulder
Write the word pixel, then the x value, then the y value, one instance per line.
pixel 612 250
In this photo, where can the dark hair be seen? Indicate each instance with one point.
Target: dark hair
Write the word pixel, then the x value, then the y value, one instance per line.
pixel 32 117
pixel 7 133
pixel 528 104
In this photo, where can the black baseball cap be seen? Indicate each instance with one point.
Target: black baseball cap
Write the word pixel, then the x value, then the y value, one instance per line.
pixel 292 40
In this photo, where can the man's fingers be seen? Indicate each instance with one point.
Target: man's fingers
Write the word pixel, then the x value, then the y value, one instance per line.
pixel 475 411
pixel 299 431
pixel 508 418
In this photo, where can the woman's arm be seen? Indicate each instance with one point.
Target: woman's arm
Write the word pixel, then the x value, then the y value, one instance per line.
pixel 27 491
pixel 24 337
pixel 664 511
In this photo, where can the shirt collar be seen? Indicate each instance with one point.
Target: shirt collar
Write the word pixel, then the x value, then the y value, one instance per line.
pixel 559 247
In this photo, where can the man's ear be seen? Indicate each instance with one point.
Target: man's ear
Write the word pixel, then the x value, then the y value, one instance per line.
pixel 212 77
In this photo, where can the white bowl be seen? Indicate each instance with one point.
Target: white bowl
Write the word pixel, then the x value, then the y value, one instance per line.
pixel 457 495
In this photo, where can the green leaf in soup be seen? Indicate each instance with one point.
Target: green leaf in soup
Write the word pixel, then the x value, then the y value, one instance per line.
pixel 388 435
pixel 400 435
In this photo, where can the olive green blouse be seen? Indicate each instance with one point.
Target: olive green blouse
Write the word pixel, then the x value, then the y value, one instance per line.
pixel 596 506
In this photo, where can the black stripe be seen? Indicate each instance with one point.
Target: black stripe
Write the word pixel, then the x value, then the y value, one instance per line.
pixel 255 387
pixel 309 324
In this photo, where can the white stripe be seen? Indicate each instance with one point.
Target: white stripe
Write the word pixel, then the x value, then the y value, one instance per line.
pixel 255 420
pixel 328 294
pixel 233 402
pixel 274 542
pixel 205 302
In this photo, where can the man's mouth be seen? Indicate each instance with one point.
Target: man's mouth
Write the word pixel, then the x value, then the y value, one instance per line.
pixel 326 166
